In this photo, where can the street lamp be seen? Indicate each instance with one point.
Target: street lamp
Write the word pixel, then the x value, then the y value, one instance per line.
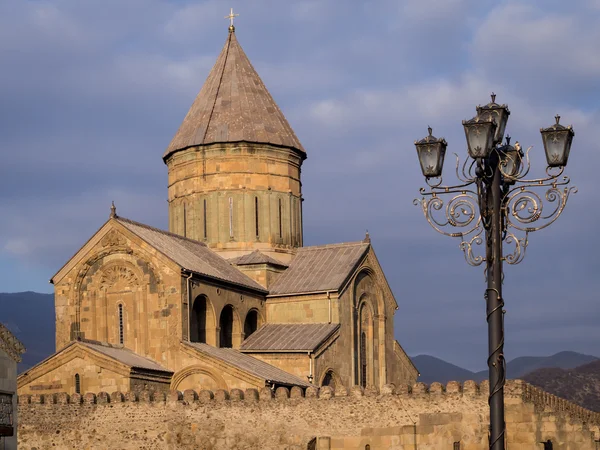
pixel 495 204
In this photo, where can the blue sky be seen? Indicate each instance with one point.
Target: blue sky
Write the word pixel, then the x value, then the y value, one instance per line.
pixel 92 92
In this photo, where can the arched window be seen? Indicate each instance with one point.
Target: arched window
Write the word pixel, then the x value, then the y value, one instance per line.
pixel 251 323
pixel 77 384
pixel 256 217
pixel 205 226
pixel 230 218
pixel 184 221
pixel 363 359
pixel 121 323
pixel 198 320
pixel 226 327
pixel 280 221
pixel 329 380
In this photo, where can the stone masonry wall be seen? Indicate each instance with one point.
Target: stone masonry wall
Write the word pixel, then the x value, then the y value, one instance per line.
pixel 420 417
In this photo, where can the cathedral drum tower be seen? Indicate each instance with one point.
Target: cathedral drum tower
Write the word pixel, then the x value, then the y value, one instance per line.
pixel 234 165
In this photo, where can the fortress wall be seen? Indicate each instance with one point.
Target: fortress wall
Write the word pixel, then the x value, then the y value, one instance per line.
pixel 418 417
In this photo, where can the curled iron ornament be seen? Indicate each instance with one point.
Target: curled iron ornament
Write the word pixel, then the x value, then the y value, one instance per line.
pixel 528 205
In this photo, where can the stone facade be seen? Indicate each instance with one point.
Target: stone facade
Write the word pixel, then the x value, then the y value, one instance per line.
pixel 10 354
pixel 401 418
pixel 237 198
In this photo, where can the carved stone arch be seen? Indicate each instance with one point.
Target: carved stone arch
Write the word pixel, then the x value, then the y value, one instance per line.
pixel 187 377
pixel 235 332
pixel 203 310
pixel 329 371
pixel 365 271
pixel 252 322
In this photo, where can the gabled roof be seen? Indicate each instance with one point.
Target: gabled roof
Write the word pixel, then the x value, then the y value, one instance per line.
pixel 10 344
pixel 190 255
pixel 289 336
pixel 119 354
pixel 320 268
pixel 256 257
pixel 249 364
pixel 124 355
pixel 233 106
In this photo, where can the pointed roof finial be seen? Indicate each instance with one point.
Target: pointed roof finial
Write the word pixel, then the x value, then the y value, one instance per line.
pixel 367 238
pixel 113 211
pixel 493 98
pixel 231 16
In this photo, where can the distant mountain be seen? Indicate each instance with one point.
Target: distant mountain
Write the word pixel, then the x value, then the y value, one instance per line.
pixel 30 317
pixel 435 369
pixel 580 385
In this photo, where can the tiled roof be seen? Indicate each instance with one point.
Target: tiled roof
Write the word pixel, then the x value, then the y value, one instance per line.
pixel 320 268
pixel 289 336
pixel 10 344
pixel 191 255
pixel 249 364
pixel 233 105
pixel 124 356
pixel 256 257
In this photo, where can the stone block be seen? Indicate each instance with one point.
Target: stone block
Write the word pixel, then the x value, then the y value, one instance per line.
pixel 117 397
pixel 371 391
pixel 453 387
pixel 326 392
pixel 236 394
pixel 312 392
pixel 436 388
pixel 282 393
pixel 296 392
pixel 221 395
pixel 145 396
pixel 388 389
pixel 470 388
pixel 103 398
pixel 357 391
pixel 251 395
pixel 205 396
pixel 419 388
pixel 190 396
pixel 62 398
pixel 266 394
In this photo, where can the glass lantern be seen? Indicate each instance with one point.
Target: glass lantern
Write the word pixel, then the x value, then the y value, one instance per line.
pixel 480 134
pixel 497 113
pixel 557 143
pixel 431 152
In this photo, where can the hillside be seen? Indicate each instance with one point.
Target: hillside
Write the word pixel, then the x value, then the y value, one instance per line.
pixel 436 369
pixel 580 385
pixel 30 317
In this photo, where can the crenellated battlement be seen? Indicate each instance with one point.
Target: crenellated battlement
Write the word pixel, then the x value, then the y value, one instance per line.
pixel 289 418
pixel 515 389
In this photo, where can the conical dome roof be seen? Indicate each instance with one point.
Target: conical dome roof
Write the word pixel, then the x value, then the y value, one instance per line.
pixel 233 105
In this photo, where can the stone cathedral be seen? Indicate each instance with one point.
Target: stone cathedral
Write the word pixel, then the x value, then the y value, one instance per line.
pixel 229 297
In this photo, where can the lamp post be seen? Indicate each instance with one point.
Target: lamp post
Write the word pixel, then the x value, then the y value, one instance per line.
pixel 494 204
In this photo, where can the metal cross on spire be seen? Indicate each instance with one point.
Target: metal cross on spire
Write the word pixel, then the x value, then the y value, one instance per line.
pixel 231 16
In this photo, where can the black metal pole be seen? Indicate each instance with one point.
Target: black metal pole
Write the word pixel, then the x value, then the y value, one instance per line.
pixel 495 304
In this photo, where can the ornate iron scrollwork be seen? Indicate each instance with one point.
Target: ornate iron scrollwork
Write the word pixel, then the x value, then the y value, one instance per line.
pixel 528 205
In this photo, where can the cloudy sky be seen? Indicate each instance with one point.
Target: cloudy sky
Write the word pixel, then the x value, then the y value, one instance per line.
pixel 91 93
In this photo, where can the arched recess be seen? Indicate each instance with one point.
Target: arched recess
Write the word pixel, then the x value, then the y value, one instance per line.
pixel 197 377
pixel 367 290
pixel 202 320
pixel 230 333
pixel 330 378
pixel 366 337
pixel 252 322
